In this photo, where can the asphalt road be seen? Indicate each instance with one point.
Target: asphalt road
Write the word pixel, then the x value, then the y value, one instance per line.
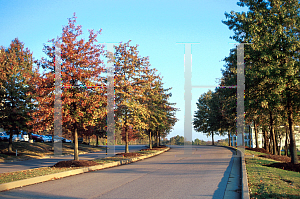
pixel 32 164
pixel 170 175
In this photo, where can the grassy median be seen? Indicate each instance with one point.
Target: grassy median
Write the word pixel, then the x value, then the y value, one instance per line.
pixel 37 150
pixel 269 182
pixel 30 173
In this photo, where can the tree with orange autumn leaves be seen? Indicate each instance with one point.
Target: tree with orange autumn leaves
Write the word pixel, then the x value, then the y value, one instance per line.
pixel 81 65
pixel 84 108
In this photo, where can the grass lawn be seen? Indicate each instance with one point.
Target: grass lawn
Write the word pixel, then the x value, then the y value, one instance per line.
pixel 268 182
pixel 283 153
pixel 114 159
pixel 38 150
pixel 21 175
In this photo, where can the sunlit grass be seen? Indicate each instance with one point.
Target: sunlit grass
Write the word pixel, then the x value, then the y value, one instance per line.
pixel 25 174
pixel 249 152
pixel 283 153
pixel 147 152
pixel 38 150
pixel 269 182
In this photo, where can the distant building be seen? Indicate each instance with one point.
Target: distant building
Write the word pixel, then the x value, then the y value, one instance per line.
pixel 260 138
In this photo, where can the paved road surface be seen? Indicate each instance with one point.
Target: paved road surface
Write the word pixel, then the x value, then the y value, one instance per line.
pixel 169 175
pixel 32 164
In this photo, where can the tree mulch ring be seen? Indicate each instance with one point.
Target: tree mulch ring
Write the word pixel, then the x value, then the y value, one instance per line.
pixel 285 166
pixel 155 148
pixel 261 150
pixel 76 163
pixel 128 154
pixel 285 162
pixel 161 146
pixel 12 154
pixel 280 158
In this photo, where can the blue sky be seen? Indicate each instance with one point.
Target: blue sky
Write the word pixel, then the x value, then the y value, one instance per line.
pixel 154 25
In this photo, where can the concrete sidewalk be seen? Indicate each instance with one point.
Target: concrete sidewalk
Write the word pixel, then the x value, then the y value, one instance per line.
pixel 6 167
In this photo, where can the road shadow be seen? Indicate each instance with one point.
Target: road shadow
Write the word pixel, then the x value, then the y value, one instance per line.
pixel 29 194
pixel 219 193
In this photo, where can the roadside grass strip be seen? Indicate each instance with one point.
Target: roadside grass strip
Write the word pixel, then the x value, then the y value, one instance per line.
pixel 269 182
pixel 249 152
pixel 39 150
pixel 116 159
pixel 30 173
pixel 18 176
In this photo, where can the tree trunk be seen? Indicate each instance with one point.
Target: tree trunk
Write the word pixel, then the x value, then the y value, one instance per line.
pixel 10 145
pixel 276 141
pixel 293 150
pixel 157 139
pixel 256 135
pixel 52 140
pixel 126 141
pixel 269 144
pixel 279 147
pixel 250 137
pixel 229 141
pixel 150 140
pixel 273 134
pixel 97 140
pixel 266 140
pixel 212 138
pixel 76 157
pixel 286 140
pixel 262 141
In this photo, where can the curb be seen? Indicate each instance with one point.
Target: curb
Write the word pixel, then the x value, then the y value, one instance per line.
pixel 55 176
pixel 245 190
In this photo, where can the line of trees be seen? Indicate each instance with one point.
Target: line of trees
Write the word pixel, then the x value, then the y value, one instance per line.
pixel 272 75
pixel 142 106
pixel 179 140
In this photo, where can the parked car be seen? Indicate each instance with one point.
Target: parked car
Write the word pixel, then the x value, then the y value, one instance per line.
pixel 36 138
pixel 24 136
pixel 49 137
pixel 56 138
pixel 66 140
pixel 45 138
pixel 16 138
pixel 21 137
pixel 4 136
